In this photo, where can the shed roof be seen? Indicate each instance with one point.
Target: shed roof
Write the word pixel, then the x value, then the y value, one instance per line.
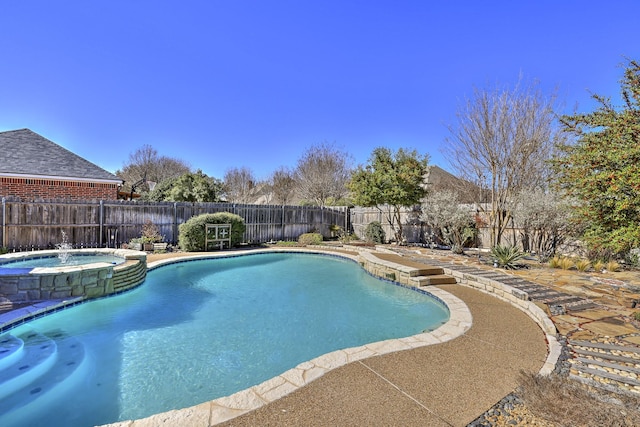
pixel 24 152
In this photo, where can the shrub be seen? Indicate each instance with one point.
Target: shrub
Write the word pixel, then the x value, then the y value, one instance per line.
pixel 613 266
pixel 632 258
pixel 347 238
pixel 554 262
pixel 582 264
pixel 598 266
pixel 566 263
pixel 507 256
pixel 569 403
pixel 375 233
pixel 310 239
pixel 191 234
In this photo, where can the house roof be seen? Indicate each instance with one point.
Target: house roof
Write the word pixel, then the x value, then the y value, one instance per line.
pixel 26 153
pixel 439 179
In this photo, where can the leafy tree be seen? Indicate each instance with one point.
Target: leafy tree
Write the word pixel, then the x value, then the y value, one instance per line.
pixel 444 213
pixel 239 185
pixel 503 141
pixel 390 182
pixel 188 187
pixel 322 174
pixel 146 163
pixel 601 169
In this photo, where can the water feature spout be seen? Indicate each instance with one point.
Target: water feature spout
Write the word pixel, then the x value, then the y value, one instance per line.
pixel 64 249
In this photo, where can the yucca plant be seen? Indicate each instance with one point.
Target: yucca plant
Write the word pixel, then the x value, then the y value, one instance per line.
pixel 507 256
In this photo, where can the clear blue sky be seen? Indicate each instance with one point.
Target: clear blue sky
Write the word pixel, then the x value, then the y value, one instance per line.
pixel 223 84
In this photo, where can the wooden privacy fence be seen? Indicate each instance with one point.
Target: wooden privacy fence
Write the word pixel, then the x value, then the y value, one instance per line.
pixel 414 230
pixel 37 225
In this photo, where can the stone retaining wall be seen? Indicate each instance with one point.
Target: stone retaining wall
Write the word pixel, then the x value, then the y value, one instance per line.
pixel 88 281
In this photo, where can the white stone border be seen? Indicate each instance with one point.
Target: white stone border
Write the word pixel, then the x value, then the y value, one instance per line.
pixel 228 407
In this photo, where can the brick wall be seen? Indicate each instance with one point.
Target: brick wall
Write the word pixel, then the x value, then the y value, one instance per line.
pixel 32 189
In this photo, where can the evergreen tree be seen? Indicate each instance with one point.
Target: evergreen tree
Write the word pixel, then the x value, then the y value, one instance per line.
pixel 602 168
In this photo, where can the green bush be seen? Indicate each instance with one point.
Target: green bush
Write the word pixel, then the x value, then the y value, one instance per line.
pixel 191 233
pixel 310 239
pixel 375 233
pixel 507 256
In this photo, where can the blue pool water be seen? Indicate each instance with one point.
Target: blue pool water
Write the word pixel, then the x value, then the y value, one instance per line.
pixel 196 331
pixel 54 261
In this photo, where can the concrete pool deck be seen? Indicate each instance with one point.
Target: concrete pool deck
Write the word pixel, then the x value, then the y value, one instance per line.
pixel 464 371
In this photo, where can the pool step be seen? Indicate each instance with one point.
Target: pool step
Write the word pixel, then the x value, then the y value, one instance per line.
pixel 427 271
pixel 435 279
pixel 36 358
pixel 10 350
pixel 45 363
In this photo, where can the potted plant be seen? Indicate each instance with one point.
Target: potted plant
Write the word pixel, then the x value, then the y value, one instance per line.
pixel 135 244
pixel 149 236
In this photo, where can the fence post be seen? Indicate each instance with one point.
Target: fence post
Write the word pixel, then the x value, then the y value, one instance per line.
pixel 174 230
pixel 101 228
pixel 4 222
pixel 282 225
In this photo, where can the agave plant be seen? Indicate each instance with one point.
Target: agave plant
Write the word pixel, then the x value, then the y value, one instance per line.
pixel 507 256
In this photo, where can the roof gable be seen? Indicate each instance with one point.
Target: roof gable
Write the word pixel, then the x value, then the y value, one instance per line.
pixel 25 152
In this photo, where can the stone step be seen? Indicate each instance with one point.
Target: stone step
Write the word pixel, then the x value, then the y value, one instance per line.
pixel 569 299
pixel 581 306
pixel 562 301
pixel 543 293
pixel 427 271
pixel 606 356
pixel 438 279
pixel 605 346
pixel 528 288
pixel 604 374
pixel 604 364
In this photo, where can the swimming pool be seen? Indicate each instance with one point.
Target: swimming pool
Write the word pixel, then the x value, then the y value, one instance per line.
pixel 199 330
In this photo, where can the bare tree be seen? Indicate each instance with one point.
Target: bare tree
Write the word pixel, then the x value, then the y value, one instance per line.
pixel 503 141
pixel 322 174
pixel 146 164
pixel 282 185
pixel 239 185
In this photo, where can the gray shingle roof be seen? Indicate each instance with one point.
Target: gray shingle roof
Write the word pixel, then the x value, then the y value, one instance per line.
pixel 25 152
